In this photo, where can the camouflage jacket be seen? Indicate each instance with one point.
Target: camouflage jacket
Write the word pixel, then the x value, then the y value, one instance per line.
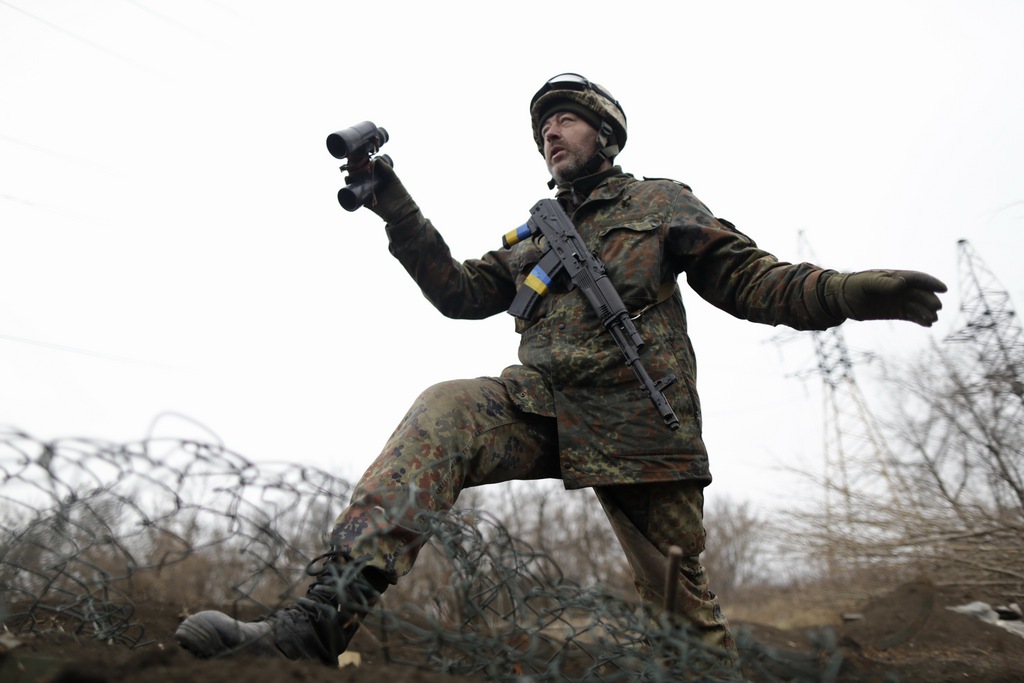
pixel 647 233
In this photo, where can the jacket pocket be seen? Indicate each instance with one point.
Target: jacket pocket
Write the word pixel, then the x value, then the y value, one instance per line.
pixel 632 253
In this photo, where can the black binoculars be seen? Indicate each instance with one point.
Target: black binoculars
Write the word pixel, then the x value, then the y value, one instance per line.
pixel 357 144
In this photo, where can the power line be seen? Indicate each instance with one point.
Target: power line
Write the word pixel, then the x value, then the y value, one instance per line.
pixel 53 153
pixel 85 352
pixel 51 207
pixel 82 39
pixel 166 19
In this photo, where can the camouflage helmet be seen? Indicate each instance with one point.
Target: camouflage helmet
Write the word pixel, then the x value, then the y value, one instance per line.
pixel 572 92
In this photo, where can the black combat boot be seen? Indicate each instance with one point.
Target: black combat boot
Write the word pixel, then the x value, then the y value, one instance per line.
pixel 317 627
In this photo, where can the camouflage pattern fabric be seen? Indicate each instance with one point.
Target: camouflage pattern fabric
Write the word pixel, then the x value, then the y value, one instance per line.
pixel 467 433
pixel 647 233
pixel 648 519
pixel 457 434
pixel 572 409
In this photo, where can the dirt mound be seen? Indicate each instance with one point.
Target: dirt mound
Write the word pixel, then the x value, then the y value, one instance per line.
pixel 913 630
pixel 908 635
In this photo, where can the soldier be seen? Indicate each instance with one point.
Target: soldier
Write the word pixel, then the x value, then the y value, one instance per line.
pixel 571 409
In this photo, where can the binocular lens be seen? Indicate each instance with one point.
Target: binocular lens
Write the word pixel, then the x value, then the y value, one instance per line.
pixel 361 138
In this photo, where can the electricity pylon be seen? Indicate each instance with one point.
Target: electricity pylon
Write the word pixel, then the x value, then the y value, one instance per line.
pixel 856 457
pixel 990 378
pixel 991 328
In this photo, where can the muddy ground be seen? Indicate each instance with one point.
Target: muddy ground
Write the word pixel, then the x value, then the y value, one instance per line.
pixel 907 636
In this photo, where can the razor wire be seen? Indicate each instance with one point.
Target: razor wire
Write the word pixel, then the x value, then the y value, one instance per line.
pixel 89 529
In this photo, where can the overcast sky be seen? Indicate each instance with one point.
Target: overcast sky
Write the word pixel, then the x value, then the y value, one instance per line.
pixel 175 262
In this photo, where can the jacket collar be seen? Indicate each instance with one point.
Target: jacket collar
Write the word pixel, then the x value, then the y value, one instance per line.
pixel 604 185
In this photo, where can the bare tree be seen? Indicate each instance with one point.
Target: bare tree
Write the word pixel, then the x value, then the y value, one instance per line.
pixel 953 504
pixel 738 554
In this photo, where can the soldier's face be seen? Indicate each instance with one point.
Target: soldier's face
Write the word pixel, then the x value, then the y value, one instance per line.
pixel 569 143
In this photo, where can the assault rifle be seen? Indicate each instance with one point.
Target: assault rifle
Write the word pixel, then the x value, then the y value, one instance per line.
pixel 567 252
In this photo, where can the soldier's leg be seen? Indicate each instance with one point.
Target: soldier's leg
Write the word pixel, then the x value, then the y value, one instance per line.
pixel 457 434
pixel 648 519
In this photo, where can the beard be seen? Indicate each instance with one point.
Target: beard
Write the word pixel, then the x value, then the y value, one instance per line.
pixel 570 167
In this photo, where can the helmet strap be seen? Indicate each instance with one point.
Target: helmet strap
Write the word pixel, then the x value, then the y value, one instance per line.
pixel 605 152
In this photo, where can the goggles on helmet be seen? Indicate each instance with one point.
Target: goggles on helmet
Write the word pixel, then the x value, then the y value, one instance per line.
pixel 572 81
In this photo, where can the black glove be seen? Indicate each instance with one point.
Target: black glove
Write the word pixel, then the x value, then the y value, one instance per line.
pixel 884 295
pixel 390 200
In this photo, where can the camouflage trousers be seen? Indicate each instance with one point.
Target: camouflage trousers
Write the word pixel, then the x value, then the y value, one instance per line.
pixel 466 433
